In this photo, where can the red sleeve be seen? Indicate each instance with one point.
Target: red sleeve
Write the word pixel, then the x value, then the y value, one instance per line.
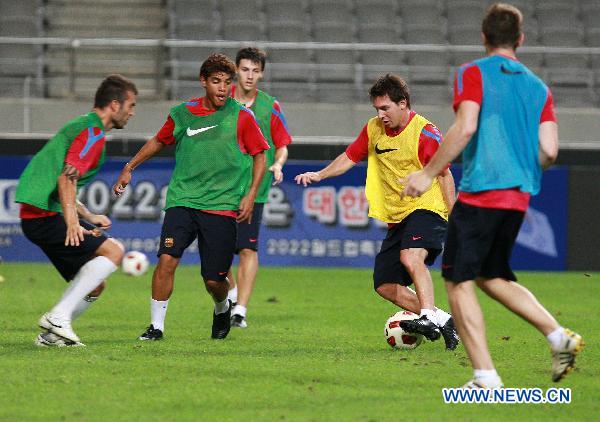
pixel 279 130
pixel 250 137
pixel 86 149
pixel 359 149
pixel 429 142
pixel 467 85
pixel 165 134
pixel 548 110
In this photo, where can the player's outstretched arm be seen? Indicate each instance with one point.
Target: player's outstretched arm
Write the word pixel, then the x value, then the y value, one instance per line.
pixel 338 166
pixel 281 155
pixel 149 150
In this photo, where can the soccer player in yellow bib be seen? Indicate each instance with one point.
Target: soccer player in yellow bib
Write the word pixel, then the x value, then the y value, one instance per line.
pixel 397 142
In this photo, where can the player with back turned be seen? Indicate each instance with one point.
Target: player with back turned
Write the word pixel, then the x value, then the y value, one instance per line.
pixel 506 129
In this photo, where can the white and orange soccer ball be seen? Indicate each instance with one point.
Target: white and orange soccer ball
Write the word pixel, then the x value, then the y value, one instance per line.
pixel 135 263
pixel 396 336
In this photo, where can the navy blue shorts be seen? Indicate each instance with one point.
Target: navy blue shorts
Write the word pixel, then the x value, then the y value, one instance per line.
pixel 216 236
pixel 421 229
pixel 49 234
pixel 247 234
pixel 480 242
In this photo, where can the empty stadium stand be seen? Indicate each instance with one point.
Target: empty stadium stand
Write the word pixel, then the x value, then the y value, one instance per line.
pixel 313 73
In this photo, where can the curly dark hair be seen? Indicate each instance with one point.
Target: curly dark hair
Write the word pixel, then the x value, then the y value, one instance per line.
pixel 217 62
pixel 502 26
pixel 393 86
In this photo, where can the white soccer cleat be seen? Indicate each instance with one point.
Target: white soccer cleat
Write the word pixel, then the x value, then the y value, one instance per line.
pixel 238 321
pixel 59 326
pixel 476 384
pixel 563 358
pixel 48 339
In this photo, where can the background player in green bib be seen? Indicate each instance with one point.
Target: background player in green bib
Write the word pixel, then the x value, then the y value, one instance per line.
pixel 208 191
pixel 61 226
pixel 250 63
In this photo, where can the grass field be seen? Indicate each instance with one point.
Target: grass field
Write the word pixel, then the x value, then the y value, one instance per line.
pixel 314 350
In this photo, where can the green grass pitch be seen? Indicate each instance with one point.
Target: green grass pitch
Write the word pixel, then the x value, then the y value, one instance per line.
pixel 314 350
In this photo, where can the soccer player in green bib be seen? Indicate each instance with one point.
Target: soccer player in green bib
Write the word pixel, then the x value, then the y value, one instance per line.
pixel 250 63
pixel 52 218
pixel 208 192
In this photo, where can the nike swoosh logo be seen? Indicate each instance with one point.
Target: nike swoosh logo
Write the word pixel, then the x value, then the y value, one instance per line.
pixel 509 72
pixel 192 132
pixel 417 237
pixel 383 151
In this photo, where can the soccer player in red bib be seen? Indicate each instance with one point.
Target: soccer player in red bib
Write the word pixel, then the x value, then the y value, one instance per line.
pixel 396 142
pixel 250 63
pixel 52 218
pixel 506 128
pixel 208 192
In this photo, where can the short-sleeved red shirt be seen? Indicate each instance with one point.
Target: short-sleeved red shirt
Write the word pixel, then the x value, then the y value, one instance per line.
pixel 250 138
pixel 83 154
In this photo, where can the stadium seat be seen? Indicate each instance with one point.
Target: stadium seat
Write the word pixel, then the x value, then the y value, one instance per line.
pixel 337 93
pixel 334 65
pixel 429 94
pixel 574 96
pixel 424 65
pixel 239 10
pixel 19 8
pixel 465 35
pixel 551 14
pixel 278 11
pixel 289 64
pixel 289 92
pixel 378 62
pixel 421 12
pixel 380 13
pixel 460 12
pixel 20 26
pixel 193 29
pixel 331 11
pixel 242 30
pixel 199 10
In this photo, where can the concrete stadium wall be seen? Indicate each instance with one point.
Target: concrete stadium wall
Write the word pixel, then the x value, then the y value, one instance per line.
pixel 46 116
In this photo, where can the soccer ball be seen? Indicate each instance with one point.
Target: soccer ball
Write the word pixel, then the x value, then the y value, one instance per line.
pixel 135 263
pixel 396 336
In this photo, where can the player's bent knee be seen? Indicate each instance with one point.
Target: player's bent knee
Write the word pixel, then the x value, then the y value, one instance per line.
pixel 111 249
pixel 167 264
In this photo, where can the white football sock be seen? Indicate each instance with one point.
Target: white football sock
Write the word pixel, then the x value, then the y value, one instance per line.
pixel 489 377
pixel 239 310
pixel 430 314
pixel 221 307
pixel 82 305
pixel 555 338
pixel 232 295
pixel 158 313
pixel 86 280
pixel 442 317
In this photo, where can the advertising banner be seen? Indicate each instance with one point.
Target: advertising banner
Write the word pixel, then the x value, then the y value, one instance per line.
pixel 322 225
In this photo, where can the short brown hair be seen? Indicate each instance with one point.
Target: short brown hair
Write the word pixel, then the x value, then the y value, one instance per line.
pixel 502 26
pixel 217 62
pixel 113 87
pixel 255 55
pixel 393 86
